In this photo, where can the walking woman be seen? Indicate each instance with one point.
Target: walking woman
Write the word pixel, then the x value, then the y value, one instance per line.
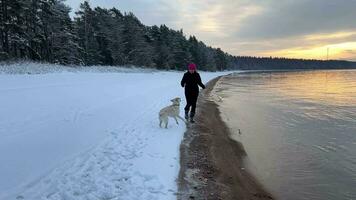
pixel 190 82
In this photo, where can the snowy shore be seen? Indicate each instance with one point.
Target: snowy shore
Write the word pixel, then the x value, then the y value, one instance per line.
pixel 85 134
pixel 212 164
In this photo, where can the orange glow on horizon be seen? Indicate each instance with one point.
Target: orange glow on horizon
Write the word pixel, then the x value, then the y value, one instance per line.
pixel 336 51
pixel 329 36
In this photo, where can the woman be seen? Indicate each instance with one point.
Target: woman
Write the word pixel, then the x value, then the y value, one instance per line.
pixel 190 82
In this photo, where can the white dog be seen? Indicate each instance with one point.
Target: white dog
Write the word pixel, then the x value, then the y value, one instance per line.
pixel 170 111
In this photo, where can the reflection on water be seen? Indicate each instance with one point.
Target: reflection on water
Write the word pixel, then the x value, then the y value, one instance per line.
pixel 298 129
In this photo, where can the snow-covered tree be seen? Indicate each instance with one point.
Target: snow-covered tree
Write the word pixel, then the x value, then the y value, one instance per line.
pixel 42 30
pixel 137 49
pixel 84 23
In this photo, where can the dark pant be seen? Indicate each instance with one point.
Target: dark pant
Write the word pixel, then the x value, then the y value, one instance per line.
pixel 191 98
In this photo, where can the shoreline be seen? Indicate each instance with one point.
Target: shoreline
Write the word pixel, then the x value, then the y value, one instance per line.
pixel 211 162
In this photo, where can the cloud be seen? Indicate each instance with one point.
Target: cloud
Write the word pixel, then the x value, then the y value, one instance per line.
pixel 290 18
pixel 251 27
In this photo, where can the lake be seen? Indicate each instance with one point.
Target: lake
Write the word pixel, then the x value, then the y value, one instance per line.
pixel 298 129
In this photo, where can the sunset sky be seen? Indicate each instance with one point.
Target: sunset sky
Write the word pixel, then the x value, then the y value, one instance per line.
pixel 283 28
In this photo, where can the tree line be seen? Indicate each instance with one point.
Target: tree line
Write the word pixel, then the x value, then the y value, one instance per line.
pixel 42 30
pixel 269 63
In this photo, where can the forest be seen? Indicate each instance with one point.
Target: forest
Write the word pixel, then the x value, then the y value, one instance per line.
pixel 43 31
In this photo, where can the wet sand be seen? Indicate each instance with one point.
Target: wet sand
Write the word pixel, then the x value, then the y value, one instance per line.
pixel 211 162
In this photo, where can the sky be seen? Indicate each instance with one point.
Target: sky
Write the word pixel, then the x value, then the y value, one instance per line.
pixel 279 28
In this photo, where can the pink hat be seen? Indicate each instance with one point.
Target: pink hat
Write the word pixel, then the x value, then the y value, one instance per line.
pixel 192 66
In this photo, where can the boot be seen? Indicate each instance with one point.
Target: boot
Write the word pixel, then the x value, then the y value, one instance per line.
pixel 192 118
pixel 186 116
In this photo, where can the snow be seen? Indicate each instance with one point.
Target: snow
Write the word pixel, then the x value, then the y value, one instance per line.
pixel 84 134
pixel 26 67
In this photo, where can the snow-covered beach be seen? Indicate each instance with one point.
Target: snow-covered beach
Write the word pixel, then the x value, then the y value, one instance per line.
pixel 85 134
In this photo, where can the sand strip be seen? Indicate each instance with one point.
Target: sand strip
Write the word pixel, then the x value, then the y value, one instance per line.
pixel 211 162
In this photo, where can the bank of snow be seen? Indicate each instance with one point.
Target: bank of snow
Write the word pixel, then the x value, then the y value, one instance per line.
pixel 80 135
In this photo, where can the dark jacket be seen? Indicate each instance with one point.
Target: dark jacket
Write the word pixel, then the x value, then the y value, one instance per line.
pixel 191 81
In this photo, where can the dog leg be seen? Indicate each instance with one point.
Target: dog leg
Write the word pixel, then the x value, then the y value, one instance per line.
pixel 166 122
pixel 176 120
pixel 160 123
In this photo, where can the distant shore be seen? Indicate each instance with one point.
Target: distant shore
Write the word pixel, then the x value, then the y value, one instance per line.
pixel 211 162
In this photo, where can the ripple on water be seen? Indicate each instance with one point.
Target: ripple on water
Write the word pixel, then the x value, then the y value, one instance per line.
pixel 298 130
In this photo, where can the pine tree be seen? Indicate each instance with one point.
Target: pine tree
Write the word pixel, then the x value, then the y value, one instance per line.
pixel 197 50
pixel 180 48
pixel 63 39
pixel 115 35
pixel 84 23
pixel 12 27
pixel 103 23
pixel 136 47
pixel 162 54
pixel 220 59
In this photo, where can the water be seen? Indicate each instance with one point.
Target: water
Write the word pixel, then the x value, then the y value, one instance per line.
pixel 298 129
